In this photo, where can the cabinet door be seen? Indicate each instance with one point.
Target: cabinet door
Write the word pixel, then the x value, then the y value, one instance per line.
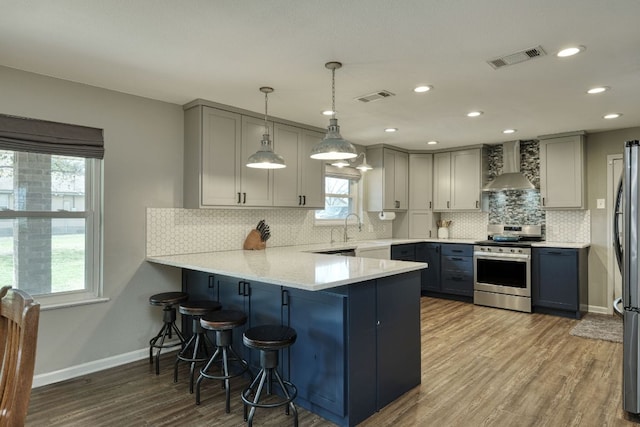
pixel 255 184
pixel 420 181
pixel 421 224
pixel 287 140
pixel 318 355
pixel 264 308
pixel 429 253
pixel 220 158
pixel 441 181
pixel 401 180
pixel 200 286
pixel 561 172
pixel 389 188
pixel 404 252
pixel 398 329
pixel 234 295
pixel 556 281
pixel 311 172
pixel 465 180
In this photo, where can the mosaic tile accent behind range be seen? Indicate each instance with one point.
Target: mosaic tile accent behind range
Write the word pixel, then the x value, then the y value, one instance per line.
pixel 516 206
pixel 181 231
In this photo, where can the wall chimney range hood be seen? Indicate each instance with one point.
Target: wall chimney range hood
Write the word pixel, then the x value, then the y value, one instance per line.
pixel 511 177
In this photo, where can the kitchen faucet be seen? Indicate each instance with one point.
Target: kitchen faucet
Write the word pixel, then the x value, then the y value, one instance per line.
pixel 346 236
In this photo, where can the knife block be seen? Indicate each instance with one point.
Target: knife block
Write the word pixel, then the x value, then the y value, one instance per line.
pixel 253 241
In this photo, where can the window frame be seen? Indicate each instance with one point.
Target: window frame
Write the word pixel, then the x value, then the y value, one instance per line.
pixel 93 290
pixel 355 193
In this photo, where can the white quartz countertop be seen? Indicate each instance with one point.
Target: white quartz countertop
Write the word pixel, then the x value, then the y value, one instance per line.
pixel 291 266
pixel 548 244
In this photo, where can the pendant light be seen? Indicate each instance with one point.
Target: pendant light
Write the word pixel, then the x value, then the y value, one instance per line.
pixel 363 166
pixel 265 158
pixel 333 146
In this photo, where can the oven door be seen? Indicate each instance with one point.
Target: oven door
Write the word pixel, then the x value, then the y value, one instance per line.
pixel 502 273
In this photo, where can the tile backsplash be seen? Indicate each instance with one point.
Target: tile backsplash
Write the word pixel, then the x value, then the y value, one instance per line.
pixel 180 231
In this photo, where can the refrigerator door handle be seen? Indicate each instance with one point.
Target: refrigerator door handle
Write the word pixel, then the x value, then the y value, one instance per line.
pixel 617 212
pixel 617 303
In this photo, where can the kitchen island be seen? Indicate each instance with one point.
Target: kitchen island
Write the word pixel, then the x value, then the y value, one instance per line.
pixel 357 320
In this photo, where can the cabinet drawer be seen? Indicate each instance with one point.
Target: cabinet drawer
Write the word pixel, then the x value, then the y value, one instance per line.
pixel 405 252
pixel 457 249
pixel 457 263
pixel 457 283
pixel 456 276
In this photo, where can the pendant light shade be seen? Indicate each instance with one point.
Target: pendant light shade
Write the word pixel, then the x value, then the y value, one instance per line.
pixel 363 166
pixel 333 146
pixel 265 158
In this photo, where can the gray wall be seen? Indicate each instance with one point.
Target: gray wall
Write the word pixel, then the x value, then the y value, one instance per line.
pixel 599 146
pixel 142 168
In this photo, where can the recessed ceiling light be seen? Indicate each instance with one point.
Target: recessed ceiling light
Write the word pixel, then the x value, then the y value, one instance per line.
pixel 570 51
pixel 598 89
pixel 422 89
pixel 612 115
pixel 509 131
pixel 391 130
pixel 328 113
pixel 474 114
pixel 432 142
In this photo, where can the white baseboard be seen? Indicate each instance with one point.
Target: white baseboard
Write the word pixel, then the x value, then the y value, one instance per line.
pixel 90 367
pixel 596 309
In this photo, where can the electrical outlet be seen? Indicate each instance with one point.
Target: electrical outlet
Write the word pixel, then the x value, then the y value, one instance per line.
pixel 600 203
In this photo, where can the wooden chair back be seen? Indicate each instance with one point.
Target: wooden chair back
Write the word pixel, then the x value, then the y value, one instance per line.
pixel 19 317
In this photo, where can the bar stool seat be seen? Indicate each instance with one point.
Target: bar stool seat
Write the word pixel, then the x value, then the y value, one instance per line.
pixel 167 300
pixel 195 350
pixel 268 340
pixel 223 322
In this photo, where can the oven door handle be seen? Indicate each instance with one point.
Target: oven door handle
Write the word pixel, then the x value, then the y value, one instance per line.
pixel 511 257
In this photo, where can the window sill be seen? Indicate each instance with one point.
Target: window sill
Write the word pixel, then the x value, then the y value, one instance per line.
pixel 54 306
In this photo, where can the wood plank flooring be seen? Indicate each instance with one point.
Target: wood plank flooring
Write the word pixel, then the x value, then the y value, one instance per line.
pixel 480 367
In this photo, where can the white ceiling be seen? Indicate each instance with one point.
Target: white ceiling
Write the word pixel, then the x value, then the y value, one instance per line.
pixel 224 50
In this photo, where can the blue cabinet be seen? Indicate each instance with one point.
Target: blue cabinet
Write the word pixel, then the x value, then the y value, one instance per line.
pixel 456 264
pixel 429 253
pixel 560 281
pixel 404 252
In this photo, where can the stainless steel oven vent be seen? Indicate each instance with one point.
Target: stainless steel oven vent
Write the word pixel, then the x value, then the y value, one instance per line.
pixel 511 178
pixel 517 57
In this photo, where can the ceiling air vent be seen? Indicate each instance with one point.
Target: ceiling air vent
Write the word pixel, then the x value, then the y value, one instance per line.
pixel 517 57
pixel 381 94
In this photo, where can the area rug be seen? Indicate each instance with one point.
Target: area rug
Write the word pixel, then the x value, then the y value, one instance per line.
pixel 599 327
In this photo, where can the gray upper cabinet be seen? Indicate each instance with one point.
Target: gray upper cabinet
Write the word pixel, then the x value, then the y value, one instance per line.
pixel 301 183
pixel 218 143
pixel 386 186
pixel 420 215
pixel 562 171
pixel 458 177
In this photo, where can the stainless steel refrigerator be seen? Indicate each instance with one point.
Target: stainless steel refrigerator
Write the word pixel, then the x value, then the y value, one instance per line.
pixel 627 244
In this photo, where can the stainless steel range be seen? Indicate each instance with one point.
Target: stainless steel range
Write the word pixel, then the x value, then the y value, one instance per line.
pixel 502 273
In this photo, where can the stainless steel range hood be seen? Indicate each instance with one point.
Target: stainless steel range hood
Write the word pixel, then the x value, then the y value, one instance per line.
pixel 511 178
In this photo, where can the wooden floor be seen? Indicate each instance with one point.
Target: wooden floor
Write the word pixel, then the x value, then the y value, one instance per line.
pixel 480 367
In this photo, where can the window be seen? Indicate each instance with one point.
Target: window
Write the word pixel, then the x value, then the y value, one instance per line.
pixel 50 216
pixel 341 195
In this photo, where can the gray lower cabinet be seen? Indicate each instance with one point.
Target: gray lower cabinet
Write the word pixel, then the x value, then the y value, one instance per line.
pixel 346 361
pixel 456 269
pixel 560 281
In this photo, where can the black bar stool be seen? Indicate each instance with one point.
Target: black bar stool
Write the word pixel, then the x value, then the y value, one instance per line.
pixel 223 322
pixel 269 339
pixel 166 300
pixel 195 350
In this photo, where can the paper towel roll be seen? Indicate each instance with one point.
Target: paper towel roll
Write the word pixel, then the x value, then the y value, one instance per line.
pixel 387 216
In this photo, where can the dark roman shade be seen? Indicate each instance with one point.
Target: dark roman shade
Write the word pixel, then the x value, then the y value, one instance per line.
pixel 40 136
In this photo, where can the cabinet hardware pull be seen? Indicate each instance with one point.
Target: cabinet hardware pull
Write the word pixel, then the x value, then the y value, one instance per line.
pixel 429 204
pixel 477 206
pixel 299 200
pixel 239 197
pixel 244 198
pixel 554 253
pixel 543 201
pixel 240 292
pixel 211 281
pixel 304 200
pixel 285 297
pixel 429 233
pixel 447 204
pixel 455 258
pixel 458 251
pixel 397 204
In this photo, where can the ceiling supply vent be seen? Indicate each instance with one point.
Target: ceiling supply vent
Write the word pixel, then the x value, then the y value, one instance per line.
pixel 517 57
pixel 381 94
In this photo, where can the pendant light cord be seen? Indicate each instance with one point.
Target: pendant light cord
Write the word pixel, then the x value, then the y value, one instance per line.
pixel 333 93
pixel 266 126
